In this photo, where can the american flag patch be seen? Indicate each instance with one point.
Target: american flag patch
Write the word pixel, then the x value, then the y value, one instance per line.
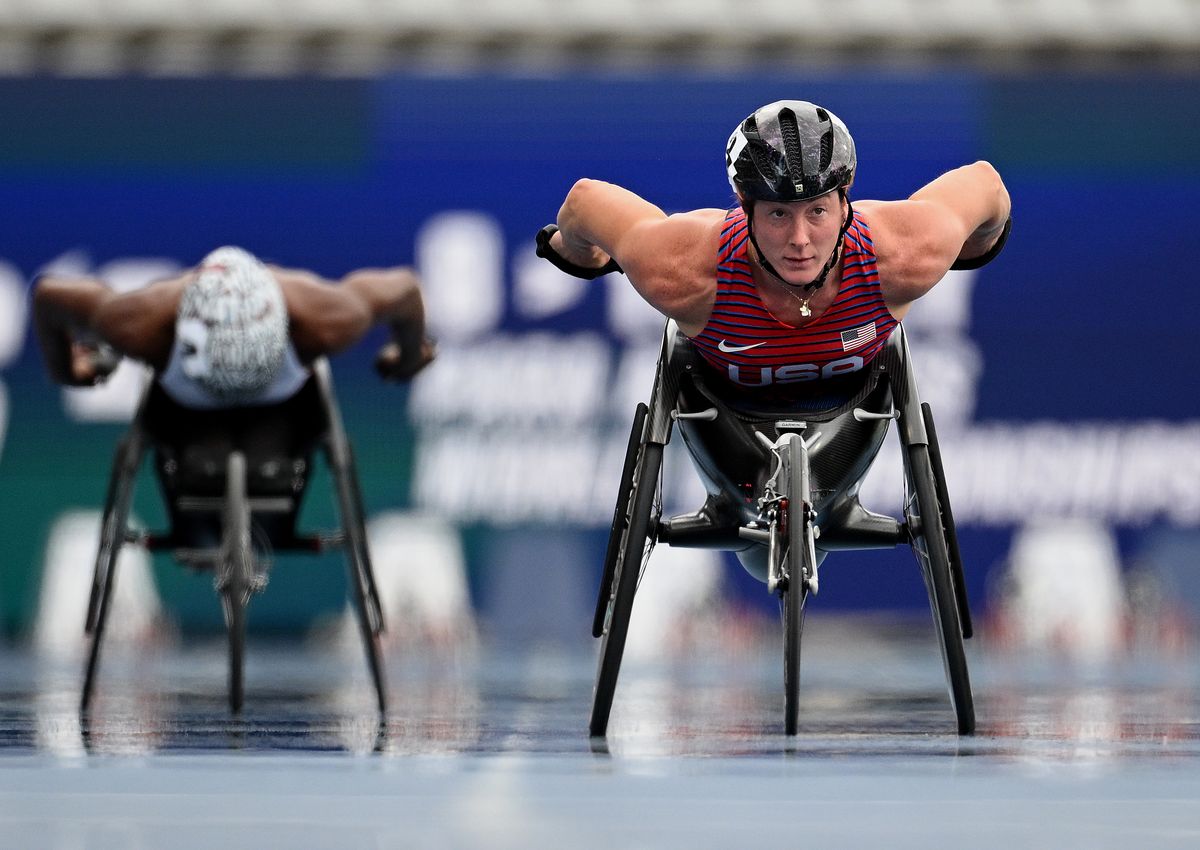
pixel 858 337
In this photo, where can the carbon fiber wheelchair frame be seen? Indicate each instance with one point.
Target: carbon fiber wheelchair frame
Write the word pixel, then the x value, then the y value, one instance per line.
pixel 241 514
pixel 788 484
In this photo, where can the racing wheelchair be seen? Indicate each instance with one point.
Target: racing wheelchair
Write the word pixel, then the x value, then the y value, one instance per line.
pixel 783 491
pixel 232 498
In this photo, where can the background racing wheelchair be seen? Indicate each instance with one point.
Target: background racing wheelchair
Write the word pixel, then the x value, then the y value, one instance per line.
pixel 233 493
pixel 783 491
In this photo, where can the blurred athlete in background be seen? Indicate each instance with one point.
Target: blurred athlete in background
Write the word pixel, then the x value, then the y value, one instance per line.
pixel 230 342
pixel 231 332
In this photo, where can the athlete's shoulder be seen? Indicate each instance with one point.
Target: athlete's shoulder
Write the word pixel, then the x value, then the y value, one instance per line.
pixel 696 224
pixel 884 214
pixel 907 238
pixel 695 228
pixel 680 241
pixel 672 263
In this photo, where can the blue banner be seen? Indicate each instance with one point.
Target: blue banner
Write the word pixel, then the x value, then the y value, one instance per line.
pixel 1058 372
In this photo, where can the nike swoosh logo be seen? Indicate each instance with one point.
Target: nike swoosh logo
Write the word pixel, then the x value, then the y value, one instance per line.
pixel 733 349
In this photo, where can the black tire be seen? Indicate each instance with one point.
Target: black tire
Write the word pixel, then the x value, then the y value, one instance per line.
pixel 356 531
pixel 235 626
pixel 636 542
pixel 236 577
pixel 924 515
pixel 620 520
pixel 943 495
pixel 794 592
pixel 95 637
pixel 371 637
pixel 366 602
pixel 113 528
pixel 367 607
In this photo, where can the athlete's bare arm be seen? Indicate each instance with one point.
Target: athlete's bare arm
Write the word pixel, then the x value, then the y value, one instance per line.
pixel 327 317
pixel 671 260
pixel 960 215
pixel 74 316
pixel 62 317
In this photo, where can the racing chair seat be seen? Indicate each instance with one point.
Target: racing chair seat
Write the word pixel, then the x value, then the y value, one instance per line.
pixel 191 450
pixel 845 421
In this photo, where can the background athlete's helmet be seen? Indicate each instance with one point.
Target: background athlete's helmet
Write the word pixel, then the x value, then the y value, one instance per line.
pixel 790 150
pixel 232 325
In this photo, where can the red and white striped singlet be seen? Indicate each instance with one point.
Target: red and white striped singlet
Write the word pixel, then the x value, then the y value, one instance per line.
pixel 753 349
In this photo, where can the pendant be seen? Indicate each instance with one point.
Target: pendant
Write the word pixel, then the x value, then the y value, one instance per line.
pixel 804 311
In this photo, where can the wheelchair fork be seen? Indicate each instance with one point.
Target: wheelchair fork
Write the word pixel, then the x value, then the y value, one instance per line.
pixel 774 503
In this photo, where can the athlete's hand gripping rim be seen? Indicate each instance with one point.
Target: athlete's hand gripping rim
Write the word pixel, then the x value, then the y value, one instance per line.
pixel 400 363
pixel 92 362
pixel 547 252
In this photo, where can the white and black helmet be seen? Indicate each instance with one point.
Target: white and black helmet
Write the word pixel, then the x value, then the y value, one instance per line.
pixel 790 150
pixel 232 325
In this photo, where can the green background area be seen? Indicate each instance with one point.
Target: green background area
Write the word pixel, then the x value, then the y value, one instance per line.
pixel 52 465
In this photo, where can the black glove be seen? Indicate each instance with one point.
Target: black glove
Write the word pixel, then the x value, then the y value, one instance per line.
pixel 562 263
pixel 989 255
pixel 394 362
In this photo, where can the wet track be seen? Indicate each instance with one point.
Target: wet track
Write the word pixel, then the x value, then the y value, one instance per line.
pixel 488 749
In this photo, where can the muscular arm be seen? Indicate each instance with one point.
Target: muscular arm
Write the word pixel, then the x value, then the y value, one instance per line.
pixel 62 316
pixel 73 315
pixel 957 216
pixel 670 260
pixel 328 317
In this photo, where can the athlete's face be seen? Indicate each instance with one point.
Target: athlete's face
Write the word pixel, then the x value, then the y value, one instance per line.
pixel 798 237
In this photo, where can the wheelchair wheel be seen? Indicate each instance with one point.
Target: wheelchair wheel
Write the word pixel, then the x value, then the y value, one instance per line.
pixel 800 566
pixel 113 525
pixel 637 539
pixel 366 597
pixel 616 531
pixel 236 572
pixel 367 600
pixel 927 527
pixel 956 562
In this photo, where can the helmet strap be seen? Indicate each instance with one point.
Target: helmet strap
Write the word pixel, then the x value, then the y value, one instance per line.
pixel 811 287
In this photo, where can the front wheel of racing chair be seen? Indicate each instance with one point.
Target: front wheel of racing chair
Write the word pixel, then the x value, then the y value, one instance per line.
pixel 236 572
pixel 799 567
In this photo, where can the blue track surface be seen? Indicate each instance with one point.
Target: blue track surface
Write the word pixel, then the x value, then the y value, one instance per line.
pixel 489 750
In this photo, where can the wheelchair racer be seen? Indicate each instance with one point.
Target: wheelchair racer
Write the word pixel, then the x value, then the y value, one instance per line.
pixel 231 332
pixel 789 295
pixel 230 342
pixel 795 284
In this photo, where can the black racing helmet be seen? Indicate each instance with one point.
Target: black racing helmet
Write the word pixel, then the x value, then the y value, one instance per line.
pixel 789 150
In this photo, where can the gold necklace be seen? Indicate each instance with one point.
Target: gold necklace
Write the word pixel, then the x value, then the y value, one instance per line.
pixel 804 310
